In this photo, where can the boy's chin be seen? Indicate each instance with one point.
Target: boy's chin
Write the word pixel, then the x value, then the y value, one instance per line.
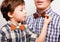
pixel 21 21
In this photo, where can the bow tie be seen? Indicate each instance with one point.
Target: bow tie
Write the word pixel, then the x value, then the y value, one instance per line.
pixel 21 27
pixel 38 15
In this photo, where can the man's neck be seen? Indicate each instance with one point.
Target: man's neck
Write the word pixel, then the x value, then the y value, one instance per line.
pixel 42 10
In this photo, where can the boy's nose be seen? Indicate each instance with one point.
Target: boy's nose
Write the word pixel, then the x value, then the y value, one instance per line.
pixel 25 12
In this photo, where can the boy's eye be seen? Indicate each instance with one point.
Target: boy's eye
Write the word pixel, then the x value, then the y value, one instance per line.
pixel 21 10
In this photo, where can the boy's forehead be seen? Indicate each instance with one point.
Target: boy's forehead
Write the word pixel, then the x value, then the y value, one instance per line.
pixel 20 7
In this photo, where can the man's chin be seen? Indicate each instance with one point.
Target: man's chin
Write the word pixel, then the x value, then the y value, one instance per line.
pixel 40 8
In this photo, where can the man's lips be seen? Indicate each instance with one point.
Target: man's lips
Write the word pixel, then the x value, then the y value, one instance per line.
pixel 39 2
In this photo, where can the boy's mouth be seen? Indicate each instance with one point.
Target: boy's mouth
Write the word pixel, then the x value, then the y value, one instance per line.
pixel 24 16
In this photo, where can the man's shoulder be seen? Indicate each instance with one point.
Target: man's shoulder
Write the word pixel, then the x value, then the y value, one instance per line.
pixel 55 17
pixel 30 16
pixel 56 14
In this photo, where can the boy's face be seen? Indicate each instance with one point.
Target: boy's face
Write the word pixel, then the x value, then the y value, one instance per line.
pixel 19 13
pixel 42 4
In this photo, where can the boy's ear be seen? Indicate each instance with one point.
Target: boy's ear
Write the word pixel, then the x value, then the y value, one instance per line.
pixel 10 15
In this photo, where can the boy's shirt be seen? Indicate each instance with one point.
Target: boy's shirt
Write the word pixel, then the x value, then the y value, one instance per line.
pixel 11 35
pixel 17 35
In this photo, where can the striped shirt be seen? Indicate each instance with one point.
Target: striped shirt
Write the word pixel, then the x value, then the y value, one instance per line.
pixel 16 35
pixel 53 30
pixel 6 34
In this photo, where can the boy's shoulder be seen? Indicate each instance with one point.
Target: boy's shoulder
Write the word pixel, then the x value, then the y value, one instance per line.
pixel 4 27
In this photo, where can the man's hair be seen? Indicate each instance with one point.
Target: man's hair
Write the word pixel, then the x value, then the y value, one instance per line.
pixel 9 6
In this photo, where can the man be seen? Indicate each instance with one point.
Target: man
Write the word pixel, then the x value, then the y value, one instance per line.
pixel 35 22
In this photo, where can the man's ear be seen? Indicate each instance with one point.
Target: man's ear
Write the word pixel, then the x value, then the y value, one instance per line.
pixel 10 15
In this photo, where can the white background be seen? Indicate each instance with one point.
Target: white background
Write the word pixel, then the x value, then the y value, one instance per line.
pixel 30 8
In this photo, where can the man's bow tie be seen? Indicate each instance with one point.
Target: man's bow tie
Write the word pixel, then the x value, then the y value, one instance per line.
pixel 38 15
pixel 21 27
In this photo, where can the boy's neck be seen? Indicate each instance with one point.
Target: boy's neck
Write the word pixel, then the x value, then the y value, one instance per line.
pixel 14 22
